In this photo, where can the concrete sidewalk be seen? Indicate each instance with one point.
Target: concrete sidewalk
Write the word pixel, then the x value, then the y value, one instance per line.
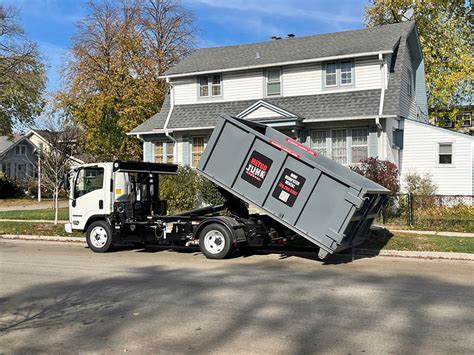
pixel 29 205
pixel 33 221
pixel 440 233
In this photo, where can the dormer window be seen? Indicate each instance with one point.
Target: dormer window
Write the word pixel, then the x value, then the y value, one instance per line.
pixel 273 82
pixel 210 85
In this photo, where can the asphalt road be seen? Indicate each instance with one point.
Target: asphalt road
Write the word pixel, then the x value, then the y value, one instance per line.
pixel 63 298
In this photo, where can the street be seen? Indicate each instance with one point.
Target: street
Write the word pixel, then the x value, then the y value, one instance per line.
pixel 59 297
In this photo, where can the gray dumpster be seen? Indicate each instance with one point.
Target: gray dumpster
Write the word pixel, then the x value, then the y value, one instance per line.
pixel 319 199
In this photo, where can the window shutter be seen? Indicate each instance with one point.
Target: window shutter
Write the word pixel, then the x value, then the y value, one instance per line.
pixel 186 151
pixel 373 142
pixel 148 152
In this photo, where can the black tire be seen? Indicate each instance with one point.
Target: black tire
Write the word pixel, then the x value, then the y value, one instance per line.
pixel 219 243
pixel 95 236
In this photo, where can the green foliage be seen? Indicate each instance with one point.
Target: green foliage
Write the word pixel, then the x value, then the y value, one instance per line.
pixel 209 193
pixel 382 172
pixel 444 29
pixel 9 187
pixel 22 74
pixel 180 190
pixel 420 184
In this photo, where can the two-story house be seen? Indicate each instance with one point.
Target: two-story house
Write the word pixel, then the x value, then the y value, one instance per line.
pixel 345 94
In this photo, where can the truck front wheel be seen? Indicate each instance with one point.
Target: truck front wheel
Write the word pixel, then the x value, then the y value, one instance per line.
pixel 99 236
pixel 215 241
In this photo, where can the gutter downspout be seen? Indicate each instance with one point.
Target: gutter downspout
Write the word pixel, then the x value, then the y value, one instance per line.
pixel 382 92
pixel 165 128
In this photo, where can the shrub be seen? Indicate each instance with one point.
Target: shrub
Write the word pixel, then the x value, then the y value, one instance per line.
pixel 208 192
pixel 180 190
pixel 420 184
pixel 382 172
pixel 10 188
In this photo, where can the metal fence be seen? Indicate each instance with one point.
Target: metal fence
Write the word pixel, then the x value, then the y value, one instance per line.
pixel 441 212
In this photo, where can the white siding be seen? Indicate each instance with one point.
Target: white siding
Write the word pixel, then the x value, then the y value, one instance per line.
pixel 367 73
pixel 262 112
pixel 407 103
pixel 185 91
pixel 245 85
pixel 420 155
pixel 302 80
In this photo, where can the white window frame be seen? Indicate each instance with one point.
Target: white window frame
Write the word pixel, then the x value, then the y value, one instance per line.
pixel 461 118
pixel 268 81
pixel 410 82
pixel 326 75
pixel 164 154
pixel 351 71
pixel 204 143
pixel 438 144
pixel 20 148
pixel 359 145
pixel 210 85
pixel 314 146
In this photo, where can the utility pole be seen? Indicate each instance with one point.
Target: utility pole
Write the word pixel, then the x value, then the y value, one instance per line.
pixel 39 176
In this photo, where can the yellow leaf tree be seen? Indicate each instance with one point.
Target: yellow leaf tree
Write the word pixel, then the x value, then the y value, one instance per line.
pixel 444 29
pixel 112 76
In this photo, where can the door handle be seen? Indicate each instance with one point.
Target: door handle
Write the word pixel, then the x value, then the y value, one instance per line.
pixel 74 203
pixel 101 204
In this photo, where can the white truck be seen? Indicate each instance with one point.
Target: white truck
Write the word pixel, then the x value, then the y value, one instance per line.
pixel 303 194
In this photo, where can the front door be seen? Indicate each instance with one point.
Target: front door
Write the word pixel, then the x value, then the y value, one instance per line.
pixel 88 195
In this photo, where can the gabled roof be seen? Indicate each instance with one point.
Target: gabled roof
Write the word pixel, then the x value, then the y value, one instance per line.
pixel 289 50
pixel 8 142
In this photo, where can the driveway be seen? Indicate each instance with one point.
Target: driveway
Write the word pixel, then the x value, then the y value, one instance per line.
pixel 58 297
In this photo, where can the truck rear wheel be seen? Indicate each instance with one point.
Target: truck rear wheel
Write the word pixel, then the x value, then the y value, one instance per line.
pixel 99 236
pixel 215 241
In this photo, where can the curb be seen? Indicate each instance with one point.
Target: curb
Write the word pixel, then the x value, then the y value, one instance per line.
pixel 358 252
pixel 416 254
pixel 47 238
pixel 33 221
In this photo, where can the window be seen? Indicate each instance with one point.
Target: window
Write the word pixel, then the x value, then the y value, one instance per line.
pixel 339 146
pixel 464 119
pixel 319 142
pixel 346 72
pixel 331 74
pixel 88 179
pixel 359 144
pixel 409 82
pixel 273 81
pixel 197 150
pixel 445 122
pixel 164 152
pixel 445 152
pixel 20 150
pixel 210 85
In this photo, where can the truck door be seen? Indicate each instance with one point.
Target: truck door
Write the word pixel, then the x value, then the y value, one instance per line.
pixel 88 195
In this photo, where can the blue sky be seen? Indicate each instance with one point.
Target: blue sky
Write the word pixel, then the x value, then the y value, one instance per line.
pixel 51 23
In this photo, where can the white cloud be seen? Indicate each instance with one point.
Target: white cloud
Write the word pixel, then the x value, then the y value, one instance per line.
pixel 304 10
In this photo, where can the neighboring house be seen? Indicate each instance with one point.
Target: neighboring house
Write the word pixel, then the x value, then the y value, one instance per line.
pixel 18 157
pixel 19 154
pixel 342 94
pixel 464 118
pixel 446 155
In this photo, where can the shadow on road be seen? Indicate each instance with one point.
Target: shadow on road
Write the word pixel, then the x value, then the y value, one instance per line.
pixel 183 309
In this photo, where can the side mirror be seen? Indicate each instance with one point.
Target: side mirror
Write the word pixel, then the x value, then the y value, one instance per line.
pixel 66 181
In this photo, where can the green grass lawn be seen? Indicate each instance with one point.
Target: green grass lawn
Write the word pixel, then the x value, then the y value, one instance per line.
pixel 29 228
pixel 46 214
pixel 417 242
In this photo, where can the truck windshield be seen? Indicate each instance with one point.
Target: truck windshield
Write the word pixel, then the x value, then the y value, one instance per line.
pixel 88 179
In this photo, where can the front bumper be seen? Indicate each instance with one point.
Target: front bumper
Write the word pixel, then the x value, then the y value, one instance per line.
pixel 68 227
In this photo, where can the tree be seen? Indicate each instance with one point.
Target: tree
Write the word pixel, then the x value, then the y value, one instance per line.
pixel 22 74
pixel 444 29
pixel 112 77
pixel 420 184
pixel 55 157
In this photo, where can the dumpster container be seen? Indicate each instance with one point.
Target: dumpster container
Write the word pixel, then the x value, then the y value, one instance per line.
pixel 316 197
